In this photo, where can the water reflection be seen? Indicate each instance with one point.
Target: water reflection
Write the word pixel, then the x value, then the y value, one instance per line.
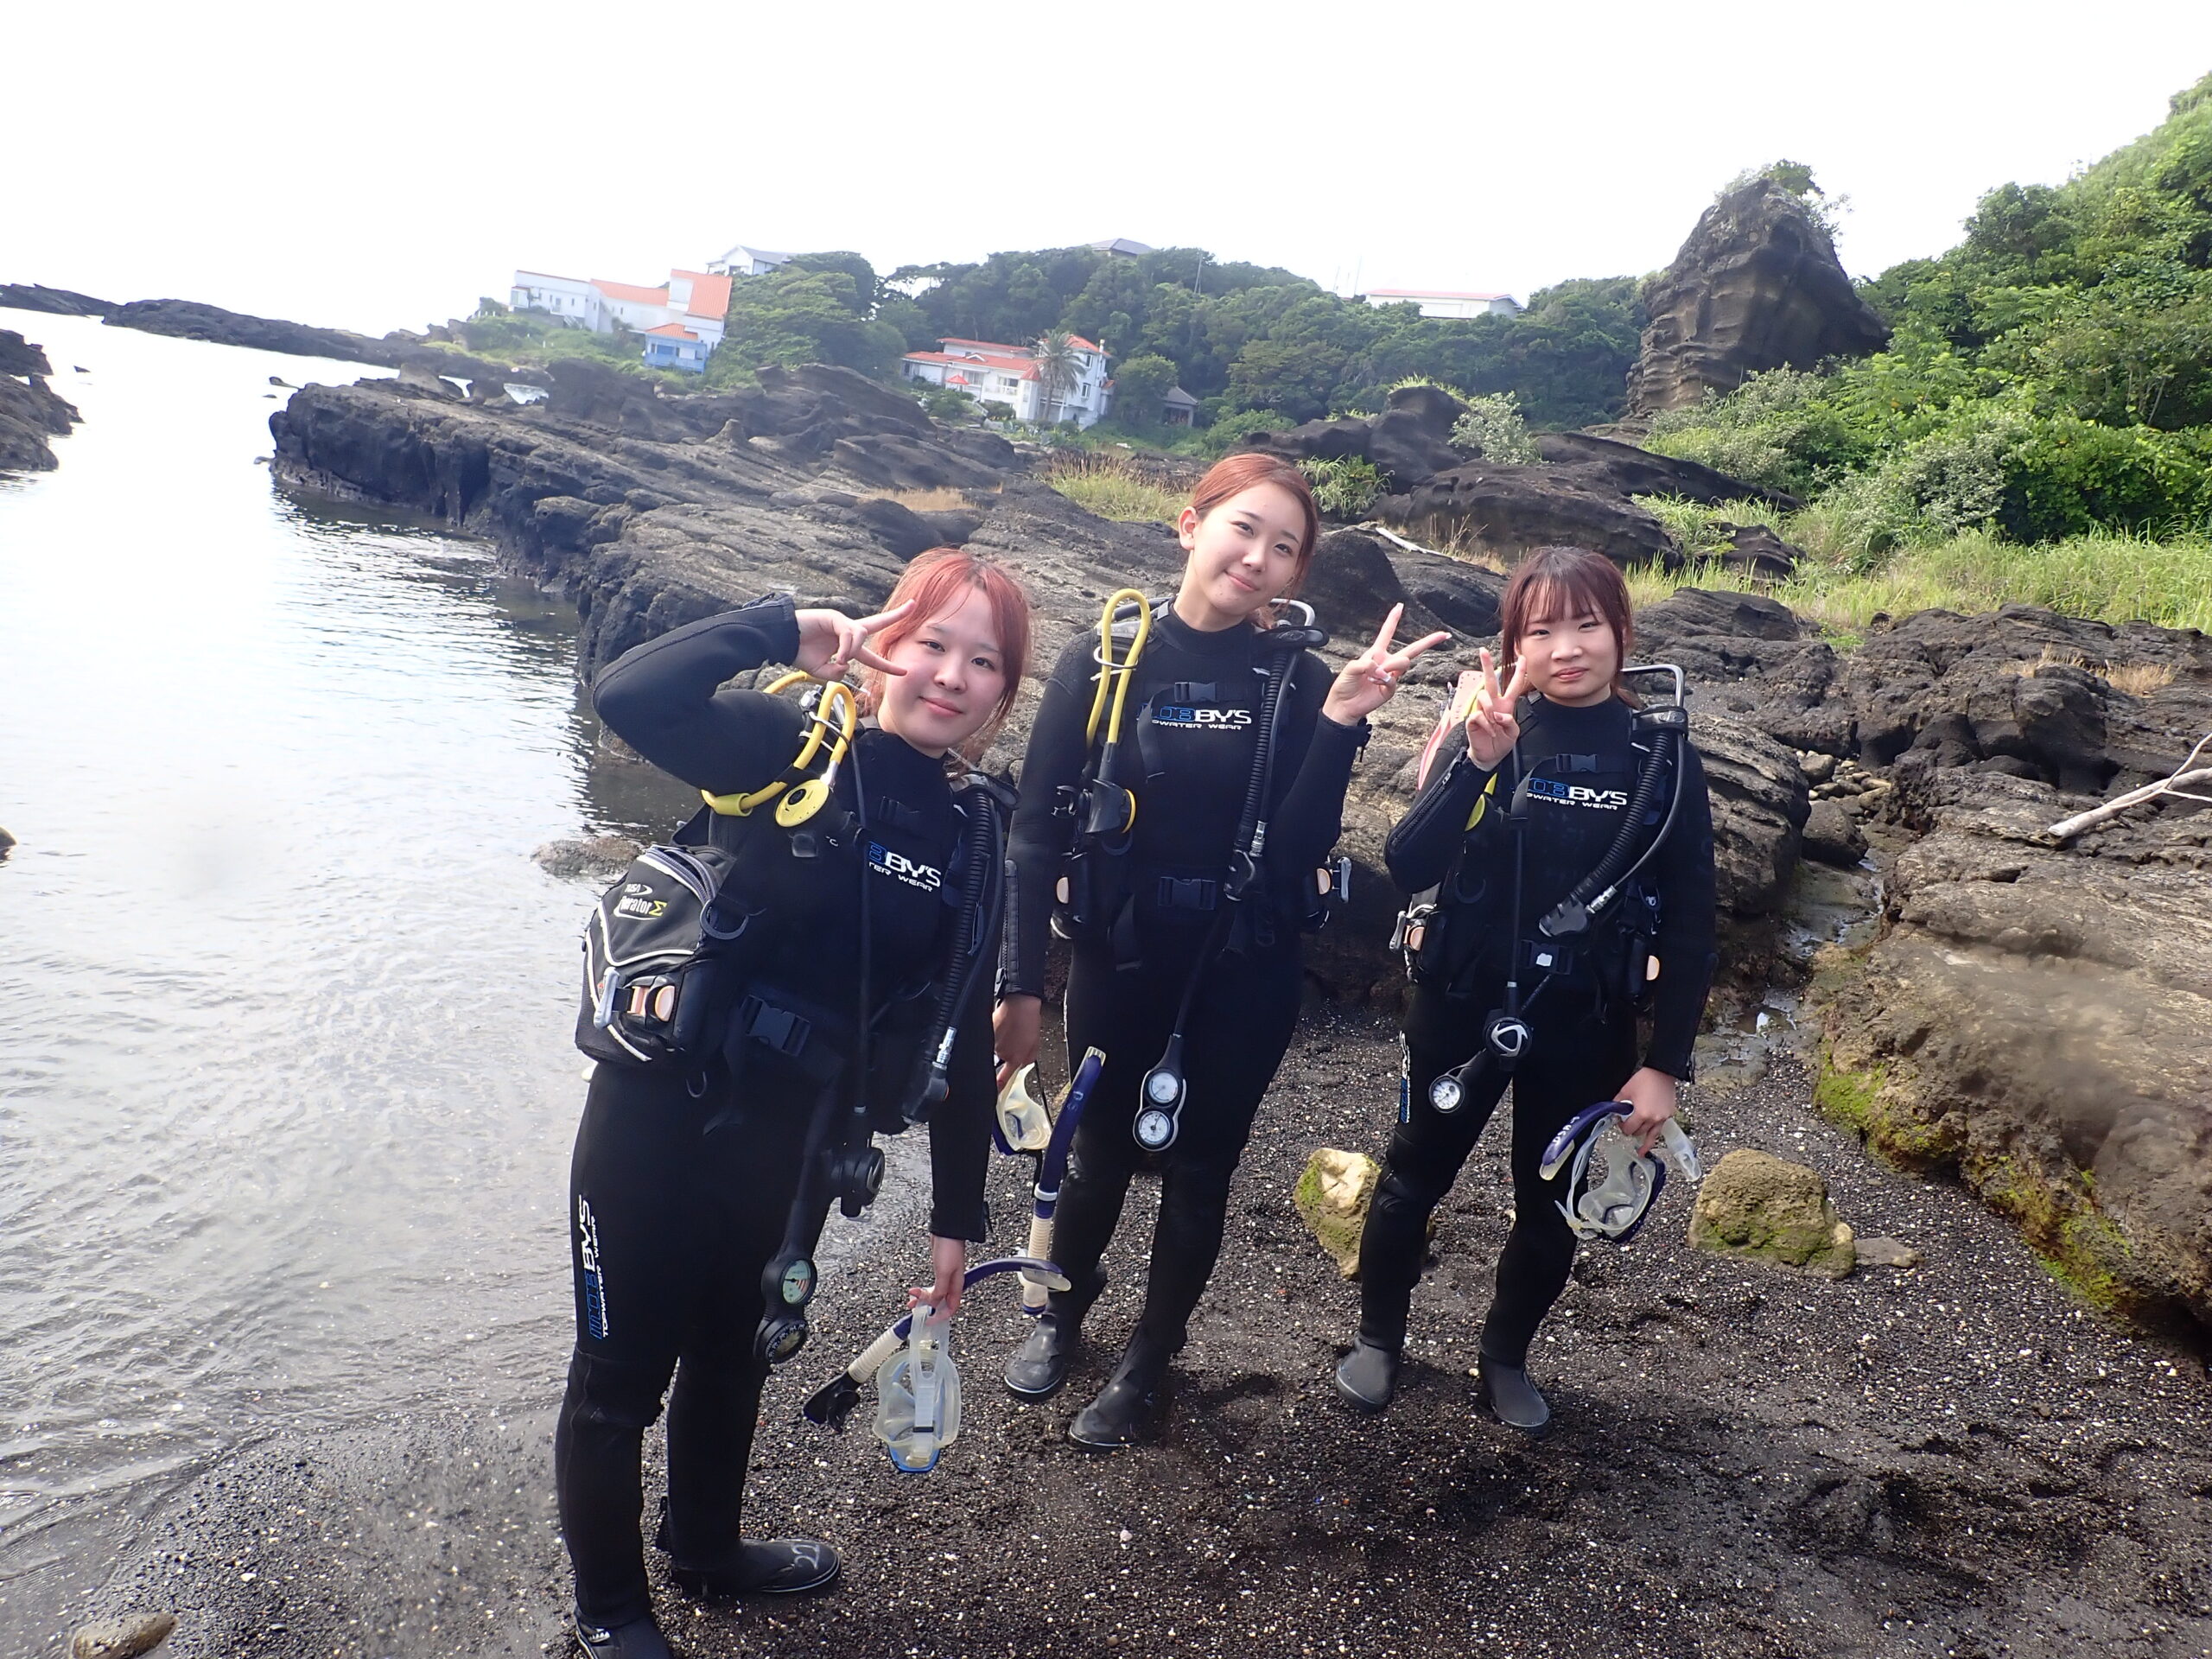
pixel 285 1081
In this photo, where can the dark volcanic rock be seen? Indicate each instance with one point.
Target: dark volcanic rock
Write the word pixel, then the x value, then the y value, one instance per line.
pixel 1760 553
pixel 1336 440
pixel 60 301
pixel 1609 463
pixel 30 411
pixel 1509 510
pixel 1757 286
pixel 190 320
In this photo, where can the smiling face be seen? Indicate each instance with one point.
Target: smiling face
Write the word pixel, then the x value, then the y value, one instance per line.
pixel 1572 658
pixel 1241 555
pixel 956 673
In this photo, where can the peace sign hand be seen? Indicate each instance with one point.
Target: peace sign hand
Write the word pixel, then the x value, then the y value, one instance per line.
pixel 1370 679
pixel 829 642
pixel 1492 729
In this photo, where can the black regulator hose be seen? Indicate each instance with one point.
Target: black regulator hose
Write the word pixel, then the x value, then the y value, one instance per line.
pixel 1574 914
pixel 982 853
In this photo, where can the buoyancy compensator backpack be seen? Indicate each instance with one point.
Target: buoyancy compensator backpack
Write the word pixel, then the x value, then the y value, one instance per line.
pixel 1603 930
pixel 666 948
pixel 1095 892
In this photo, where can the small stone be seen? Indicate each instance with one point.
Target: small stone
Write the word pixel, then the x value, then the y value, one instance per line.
pixel 590 855
pixel 121 1638
pixel 6 841
pixel 1818 768
pixel 1885 1253
pixel 1752 1204
pixel 1332 1195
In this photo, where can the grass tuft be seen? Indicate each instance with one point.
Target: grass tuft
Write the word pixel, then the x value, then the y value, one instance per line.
pixel 1114 487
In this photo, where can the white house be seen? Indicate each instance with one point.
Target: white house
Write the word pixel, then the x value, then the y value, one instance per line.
pixel 694 301
pixel 992 372
pixel 1442 302
pixel 741 261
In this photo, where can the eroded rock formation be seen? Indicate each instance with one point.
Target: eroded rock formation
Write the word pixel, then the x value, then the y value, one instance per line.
pixel 30 411
pixel 1757 286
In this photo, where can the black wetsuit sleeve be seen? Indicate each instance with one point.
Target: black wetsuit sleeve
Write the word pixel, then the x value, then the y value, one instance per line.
pixel 1422 843
pixel 1686 925
pixel 665 699
pixel 1316 757
pixel 960 1128
pixel 1038 845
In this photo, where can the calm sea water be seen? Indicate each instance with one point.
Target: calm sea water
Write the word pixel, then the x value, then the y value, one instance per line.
pixel 286 1088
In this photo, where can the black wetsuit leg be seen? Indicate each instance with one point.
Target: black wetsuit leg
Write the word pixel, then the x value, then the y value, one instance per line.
pixel 1576 1060
pixel 679 1224
pixel 1239 1027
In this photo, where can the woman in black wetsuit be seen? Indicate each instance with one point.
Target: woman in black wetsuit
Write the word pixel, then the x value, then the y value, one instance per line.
pixel 1194 705
pixel 1567 631
pixel 682 1186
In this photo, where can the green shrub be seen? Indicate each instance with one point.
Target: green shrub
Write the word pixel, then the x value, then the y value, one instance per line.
pixel 1344 488
pixel 1492 428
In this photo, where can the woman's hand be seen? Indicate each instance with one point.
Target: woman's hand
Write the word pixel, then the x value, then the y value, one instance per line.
pixel 1654 1096
pixel 1493 727
pixel 829 642
pixel 948 1265
pixel 1370 679
pixel 1014 1034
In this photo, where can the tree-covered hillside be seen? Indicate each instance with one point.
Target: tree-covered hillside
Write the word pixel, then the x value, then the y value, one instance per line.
pixel 1243 339
pixel 2049 376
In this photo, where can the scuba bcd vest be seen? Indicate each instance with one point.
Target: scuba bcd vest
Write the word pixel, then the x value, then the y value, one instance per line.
pixel 1604 932
pixel 1101 883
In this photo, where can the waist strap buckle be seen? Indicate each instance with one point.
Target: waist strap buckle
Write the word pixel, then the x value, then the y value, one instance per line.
pixel 777 1029
pixel 1178 892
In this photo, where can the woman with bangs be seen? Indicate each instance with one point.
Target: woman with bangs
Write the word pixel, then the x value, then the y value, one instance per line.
pixel 683 1185
pixel 1176 945
pixel 1554 745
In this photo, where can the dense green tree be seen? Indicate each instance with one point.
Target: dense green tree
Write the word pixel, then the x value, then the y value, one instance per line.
pixel 791 316
pixel 1140 383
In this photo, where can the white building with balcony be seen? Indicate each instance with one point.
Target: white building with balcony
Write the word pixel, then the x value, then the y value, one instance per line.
pixel 992 372
pixel 695 300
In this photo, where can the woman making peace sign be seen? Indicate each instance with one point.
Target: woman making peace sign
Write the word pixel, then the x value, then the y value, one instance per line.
pixel 1170 948
pixel 1553 747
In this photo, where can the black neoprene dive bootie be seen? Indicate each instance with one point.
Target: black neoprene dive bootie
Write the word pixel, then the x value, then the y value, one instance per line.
pixel 1111 1422
pixel 1039 1366
pixel 639 1639
pixel 1367 1378
pixel 1513 1399
pixel 774 1566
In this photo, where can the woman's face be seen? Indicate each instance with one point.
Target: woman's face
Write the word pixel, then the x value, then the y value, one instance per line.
pixel 955 675
pixel 1242 556
pixel 1571 660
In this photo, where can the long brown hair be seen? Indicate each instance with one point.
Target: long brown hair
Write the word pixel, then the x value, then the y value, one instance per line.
pixel 1560 583
pixel 1232 476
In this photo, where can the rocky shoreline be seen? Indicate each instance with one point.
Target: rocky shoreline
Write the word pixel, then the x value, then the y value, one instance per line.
pixel 650 511
pixel 1953 1459
pixel 30 410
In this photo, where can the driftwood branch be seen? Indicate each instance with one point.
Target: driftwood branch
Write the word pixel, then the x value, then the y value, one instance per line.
pixel 2187 772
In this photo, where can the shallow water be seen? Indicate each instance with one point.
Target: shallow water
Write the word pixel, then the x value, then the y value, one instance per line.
pixel 286 1086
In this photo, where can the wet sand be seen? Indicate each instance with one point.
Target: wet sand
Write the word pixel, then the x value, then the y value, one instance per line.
pixel 1956 1459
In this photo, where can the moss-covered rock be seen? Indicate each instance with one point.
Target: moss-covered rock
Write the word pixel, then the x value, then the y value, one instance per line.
pixel 1332 1195
pixel 1756 1204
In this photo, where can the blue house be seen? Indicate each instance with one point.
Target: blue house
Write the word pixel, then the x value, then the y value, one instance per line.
pixel 672 346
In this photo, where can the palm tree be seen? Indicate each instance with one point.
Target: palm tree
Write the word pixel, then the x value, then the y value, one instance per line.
pixel 1059 368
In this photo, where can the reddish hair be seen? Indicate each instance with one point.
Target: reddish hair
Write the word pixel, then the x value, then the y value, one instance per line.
pixel 936 582
pixel 1229 478
pixel 1555 584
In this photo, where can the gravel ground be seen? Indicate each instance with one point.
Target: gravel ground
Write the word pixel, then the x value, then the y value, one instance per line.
pixel 1954 1459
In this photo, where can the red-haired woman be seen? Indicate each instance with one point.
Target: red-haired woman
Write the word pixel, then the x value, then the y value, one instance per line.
pixel 1168 934
pixel 1556 745
pixel 682 1186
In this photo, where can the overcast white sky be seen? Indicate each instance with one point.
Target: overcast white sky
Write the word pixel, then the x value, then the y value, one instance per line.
pixel 379 166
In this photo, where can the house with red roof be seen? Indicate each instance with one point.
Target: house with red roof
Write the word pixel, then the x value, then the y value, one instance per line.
pixel 682 319
pixel 991 371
